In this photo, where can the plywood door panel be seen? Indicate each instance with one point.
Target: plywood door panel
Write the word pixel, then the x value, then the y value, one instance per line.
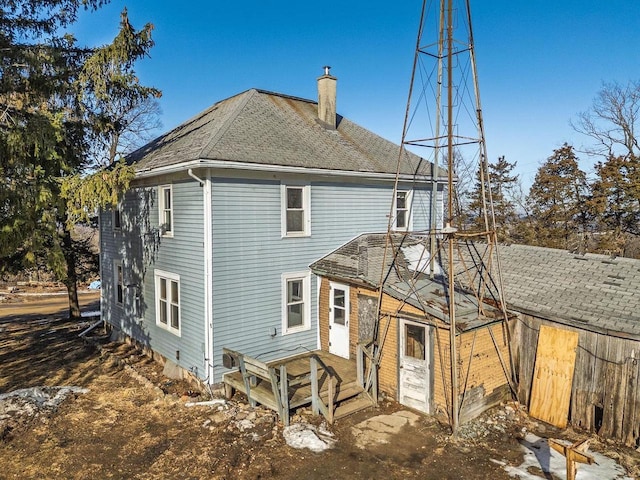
pixel 553 375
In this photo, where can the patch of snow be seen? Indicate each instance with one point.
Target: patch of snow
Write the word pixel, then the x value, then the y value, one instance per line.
pixel 93 313
pixel 419 257
pixel 244 425
pixel 30 400
pixel 304 435
pixel 58 293
pixel 207 403
pixel 538 455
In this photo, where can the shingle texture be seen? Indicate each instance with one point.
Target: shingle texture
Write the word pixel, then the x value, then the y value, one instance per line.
pixel 589 291
pixel 361 261
pixel 266 128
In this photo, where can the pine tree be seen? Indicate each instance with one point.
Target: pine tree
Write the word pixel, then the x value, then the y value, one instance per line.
pixel 56 100
pixel 557 201
pixel 615 202
pixel 503 183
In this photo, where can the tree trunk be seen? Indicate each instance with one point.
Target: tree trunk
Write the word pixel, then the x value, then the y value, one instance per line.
pixel 71 280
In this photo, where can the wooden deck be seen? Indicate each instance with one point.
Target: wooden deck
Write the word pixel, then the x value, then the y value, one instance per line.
pixel 341 373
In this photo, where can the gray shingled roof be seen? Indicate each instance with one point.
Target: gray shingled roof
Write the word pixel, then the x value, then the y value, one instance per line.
pixel 360 261
pixel 594 292
pixel 590 291
pixel 271 129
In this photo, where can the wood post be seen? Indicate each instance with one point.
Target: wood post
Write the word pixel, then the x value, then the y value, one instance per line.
pixel 360 364
pixel 315 397
pixel 284 393
pixel 245 379
pixel 574 453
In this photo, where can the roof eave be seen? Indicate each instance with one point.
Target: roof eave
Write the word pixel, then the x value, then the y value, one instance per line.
pixel 571 322
pixel 248 166
pixel 356 281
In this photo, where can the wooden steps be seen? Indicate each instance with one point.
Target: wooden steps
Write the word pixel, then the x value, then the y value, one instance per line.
pixel 344 392
pixel 330 384
pixel 352 406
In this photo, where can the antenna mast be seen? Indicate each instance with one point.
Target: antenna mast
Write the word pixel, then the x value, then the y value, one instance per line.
pixel 445 59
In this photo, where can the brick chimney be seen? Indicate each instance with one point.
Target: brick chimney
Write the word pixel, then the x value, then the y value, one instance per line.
pixel 327 98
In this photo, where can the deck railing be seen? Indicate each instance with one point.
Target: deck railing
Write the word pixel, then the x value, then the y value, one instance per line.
pixel 367 369
pixel 317 404
pixel 326 389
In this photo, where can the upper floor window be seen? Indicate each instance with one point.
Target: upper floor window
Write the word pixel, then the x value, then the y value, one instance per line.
pixel 117 217
pixel 296 302
pixel 402 220
pixel 296 211
pixel 118 281
pixel 165 194
pixel 167 287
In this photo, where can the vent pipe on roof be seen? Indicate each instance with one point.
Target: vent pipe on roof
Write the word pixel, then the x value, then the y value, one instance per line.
pixel 327 98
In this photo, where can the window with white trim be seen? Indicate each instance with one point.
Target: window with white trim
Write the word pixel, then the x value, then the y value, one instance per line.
pixel 339 303
pixel 296 210
pixel 118 282
pixel 165 207
pixel 117 217
pixel 296 302
pixel 402 220
pixel 167 301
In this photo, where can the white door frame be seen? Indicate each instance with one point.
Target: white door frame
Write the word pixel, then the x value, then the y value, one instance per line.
pixel 414 374
pixel 339 321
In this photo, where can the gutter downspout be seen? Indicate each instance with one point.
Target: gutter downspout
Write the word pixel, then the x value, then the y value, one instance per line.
pixel 100 264
pixel 208 269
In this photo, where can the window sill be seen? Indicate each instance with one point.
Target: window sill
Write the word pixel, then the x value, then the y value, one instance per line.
pixel 296 235
pixel 166 328
pixel 291 331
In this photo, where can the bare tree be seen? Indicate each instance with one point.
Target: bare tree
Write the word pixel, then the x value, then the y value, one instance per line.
pixel 127 126
pixel 613 121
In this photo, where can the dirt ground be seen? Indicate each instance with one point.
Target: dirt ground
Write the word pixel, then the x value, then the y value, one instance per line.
pixel 133 423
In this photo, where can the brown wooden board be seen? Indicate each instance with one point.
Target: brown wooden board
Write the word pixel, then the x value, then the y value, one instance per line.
pixel 527 348
pixel 583 394
pixel 553 375
pixel 631 434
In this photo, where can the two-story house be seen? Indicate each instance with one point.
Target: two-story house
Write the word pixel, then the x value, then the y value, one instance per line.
pixel 211 246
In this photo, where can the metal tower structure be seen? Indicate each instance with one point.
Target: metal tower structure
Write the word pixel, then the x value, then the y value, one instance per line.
pixel 443 123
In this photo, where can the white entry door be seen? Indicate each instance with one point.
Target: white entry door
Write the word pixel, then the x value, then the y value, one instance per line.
pixel 339 319
pixel 415 371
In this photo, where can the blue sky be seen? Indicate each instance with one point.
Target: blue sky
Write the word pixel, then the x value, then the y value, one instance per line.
pixel 540 62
